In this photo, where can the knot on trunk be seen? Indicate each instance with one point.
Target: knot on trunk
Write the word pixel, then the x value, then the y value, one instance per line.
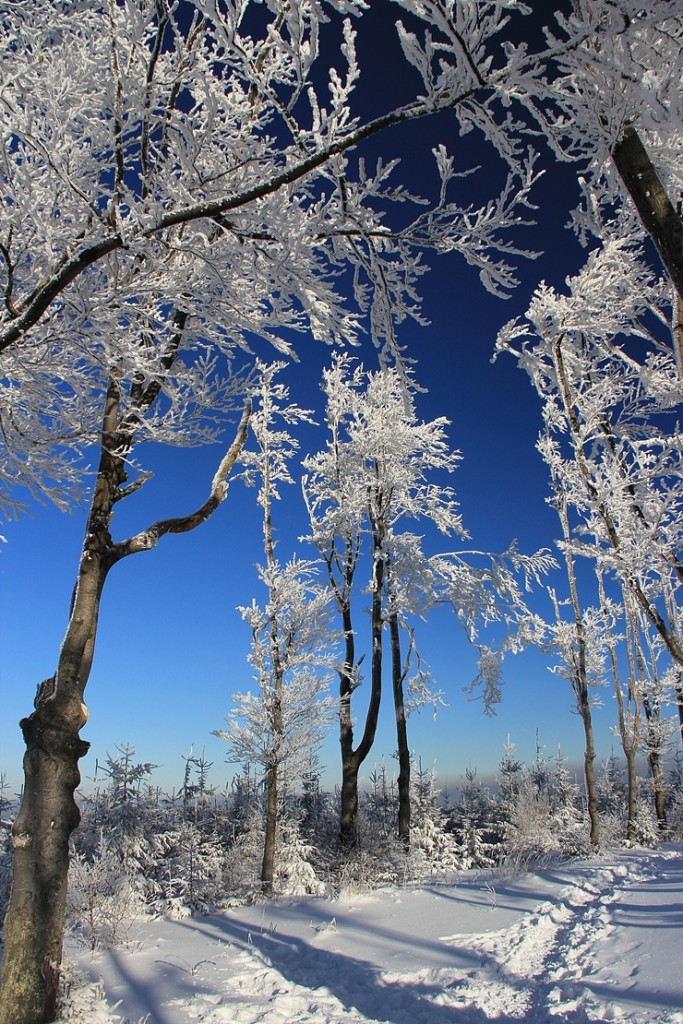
pixel 53 738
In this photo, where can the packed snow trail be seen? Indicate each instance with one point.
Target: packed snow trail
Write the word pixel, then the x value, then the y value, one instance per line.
pixel 582 942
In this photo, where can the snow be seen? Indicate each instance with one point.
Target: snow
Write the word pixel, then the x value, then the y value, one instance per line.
pixel 598 940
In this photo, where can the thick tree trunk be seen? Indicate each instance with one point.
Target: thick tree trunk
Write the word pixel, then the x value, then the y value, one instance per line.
pixel 659 787
pixel 654 757
pixel 348 818
pixel 34 925
pixel 655 209
pixel 35 921
pixel 48 814
pixel 401 733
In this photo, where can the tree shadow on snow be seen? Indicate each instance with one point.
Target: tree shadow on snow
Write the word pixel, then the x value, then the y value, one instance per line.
pixel 357 984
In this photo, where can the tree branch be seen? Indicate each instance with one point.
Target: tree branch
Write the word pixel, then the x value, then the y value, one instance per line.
pixel 650 199
pixel 149 538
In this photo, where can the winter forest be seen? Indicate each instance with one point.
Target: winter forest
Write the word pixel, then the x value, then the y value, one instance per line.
pixel 220 220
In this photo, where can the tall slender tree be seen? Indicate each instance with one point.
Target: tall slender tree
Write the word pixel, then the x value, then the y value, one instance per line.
pixel 380 470
pixel 292 637
pixel 612 443
pixel 373 474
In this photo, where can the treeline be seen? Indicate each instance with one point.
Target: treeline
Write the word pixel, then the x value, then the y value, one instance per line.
pixel 196 850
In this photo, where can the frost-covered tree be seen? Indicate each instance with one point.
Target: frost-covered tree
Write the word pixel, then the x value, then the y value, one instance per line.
pixel 382 469
pixel 599 359
pixel 373 475
pixel 178 179
pixel 473 821
pixel 433 848
pixel 619 102
pixel 292 640
pixel 101 901
pixel 577 639
pixel 509 779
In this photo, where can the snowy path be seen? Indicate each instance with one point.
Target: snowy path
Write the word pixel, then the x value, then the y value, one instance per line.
pixel 599 941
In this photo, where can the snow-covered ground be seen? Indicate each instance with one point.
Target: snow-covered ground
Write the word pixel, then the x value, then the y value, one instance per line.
pixel 589 941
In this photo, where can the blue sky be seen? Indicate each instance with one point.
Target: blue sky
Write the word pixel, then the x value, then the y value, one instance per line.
pixel 172 647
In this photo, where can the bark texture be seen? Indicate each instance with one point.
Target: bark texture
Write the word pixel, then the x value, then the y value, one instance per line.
pixel 655 209
pixel 268 862
pixel 35 921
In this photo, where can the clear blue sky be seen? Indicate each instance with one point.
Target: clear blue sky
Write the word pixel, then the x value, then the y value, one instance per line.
pixel 171 645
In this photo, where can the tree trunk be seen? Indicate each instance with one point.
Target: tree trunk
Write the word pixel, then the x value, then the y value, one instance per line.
pixel 654 757
pixel 659 786
pixel 631 795
pixel 268 865
pixel 589 771
pixel 650 198
pixel 353 759
pixel 348 817
pixel 677 333
pixel 580 676
pixel 679 701
pixel 35 920
pixel 34 925
pixel 401 733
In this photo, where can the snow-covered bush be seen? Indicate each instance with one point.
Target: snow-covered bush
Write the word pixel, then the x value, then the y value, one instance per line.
pixel 433 848
pixel 101 900
pixel 473 821
pixel 530 834
pixel 675 816
pixel 294 873
pixel 361 869
pixel 188 870
pixel 81 1001
pixel 541 827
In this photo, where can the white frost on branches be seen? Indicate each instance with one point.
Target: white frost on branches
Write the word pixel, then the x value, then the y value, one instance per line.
pixel 179 180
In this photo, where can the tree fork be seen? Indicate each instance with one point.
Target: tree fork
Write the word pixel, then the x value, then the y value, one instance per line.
pixel 34 925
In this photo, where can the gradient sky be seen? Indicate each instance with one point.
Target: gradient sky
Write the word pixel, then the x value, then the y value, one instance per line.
pixel 172 647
